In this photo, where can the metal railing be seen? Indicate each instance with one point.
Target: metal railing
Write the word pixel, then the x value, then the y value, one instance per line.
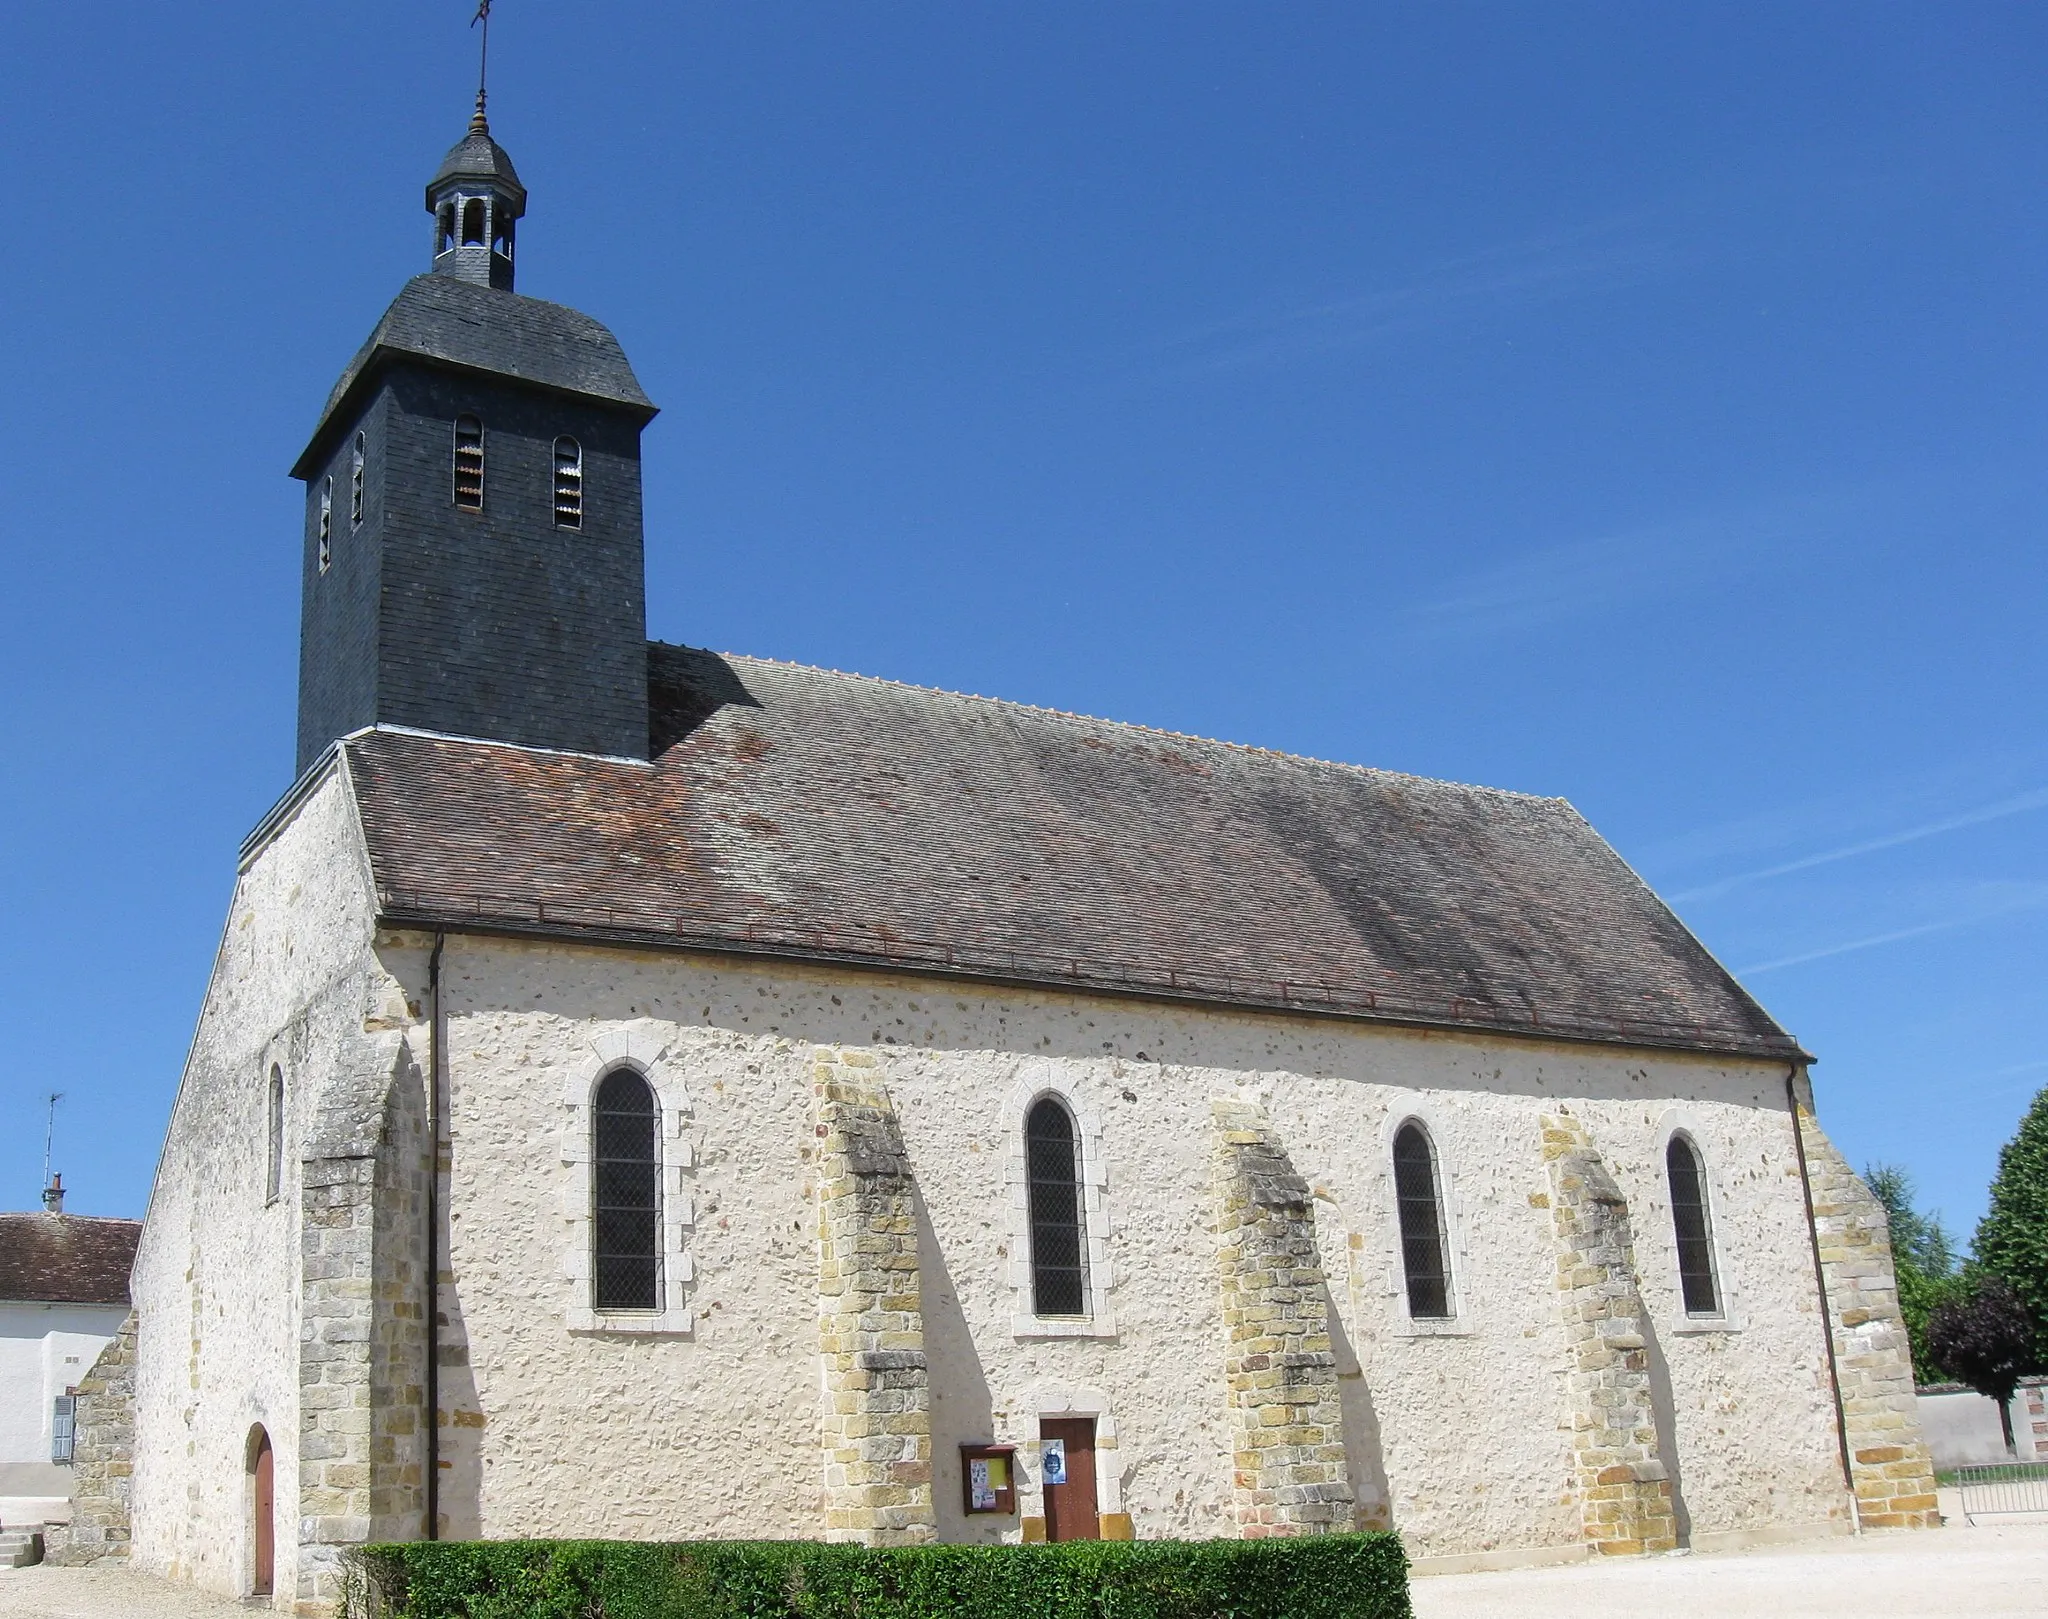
pixel 2002 1489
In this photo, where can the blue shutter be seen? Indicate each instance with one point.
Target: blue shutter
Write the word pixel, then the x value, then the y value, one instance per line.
pixel 64 1429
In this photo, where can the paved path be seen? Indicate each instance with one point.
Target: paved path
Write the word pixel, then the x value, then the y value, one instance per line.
pixel 1988 1573
pixel 1954 1573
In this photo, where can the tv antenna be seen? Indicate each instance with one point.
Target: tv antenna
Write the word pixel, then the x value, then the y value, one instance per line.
pixel 50 1133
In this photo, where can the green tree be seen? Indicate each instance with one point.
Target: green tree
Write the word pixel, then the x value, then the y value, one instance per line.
pixel 2012 1238
pixel 1924 1256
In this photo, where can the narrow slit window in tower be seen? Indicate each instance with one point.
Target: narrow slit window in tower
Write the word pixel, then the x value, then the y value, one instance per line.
pixel 273 1177
pixel 469 463
pixel 326 522
pixel 358 458
pixel 568 483
pixel 1419 1203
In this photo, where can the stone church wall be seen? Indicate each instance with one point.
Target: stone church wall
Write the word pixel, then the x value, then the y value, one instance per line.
pixel 219 1276
pixel 1459 1430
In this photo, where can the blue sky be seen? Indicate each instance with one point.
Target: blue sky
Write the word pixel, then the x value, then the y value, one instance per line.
pixel 1637 404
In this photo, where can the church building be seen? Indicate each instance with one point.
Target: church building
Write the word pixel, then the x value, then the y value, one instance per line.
pixel 654 1093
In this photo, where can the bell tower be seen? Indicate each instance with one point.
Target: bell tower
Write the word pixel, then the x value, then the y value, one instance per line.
pixel 473 555
pixel 476 200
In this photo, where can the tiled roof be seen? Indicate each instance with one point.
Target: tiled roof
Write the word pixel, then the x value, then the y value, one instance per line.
pixel 66 1258
pixel 448 321
pixel 797 812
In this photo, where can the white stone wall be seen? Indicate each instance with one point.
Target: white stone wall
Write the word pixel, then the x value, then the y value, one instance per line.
pixel 217 1280
pixel 554 1430
pixel 44 1350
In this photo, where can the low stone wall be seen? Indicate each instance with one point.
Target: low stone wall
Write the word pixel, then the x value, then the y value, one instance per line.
pixel 1962 1427
pixel 1288 1470
pixel 103 1461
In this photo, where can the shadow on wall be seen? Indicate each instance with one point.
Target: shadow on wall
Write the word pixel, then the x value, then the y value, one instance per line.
pixel 462 1428
pixel 1363 1460
pixel 963 1411
pixel 1664 1415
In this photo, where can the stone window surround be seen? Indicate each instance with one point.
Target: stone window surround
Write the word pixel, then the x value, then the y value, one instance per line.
pixel 1679 1121
pixel 642 1052
pixel 1460 1322
pixel 1038 1080
pixel 1066 1400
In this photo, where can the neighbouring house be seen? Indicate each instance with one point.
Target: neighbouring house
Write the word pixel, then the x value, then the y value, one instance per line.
pixel 654 1093
pixel 63 1297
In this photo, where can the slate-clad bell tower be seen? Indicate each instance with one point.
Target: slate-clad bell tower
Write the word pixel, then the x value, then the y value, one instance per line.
pixel 473 548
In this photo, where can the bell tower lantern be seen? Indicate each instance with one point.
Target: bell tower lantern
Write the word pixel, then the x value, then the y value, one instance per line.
pixel 476 200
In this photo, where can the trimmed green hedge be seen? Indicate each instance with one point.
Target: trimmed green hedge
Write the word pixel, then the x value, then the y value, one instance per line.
pixel 1313 1577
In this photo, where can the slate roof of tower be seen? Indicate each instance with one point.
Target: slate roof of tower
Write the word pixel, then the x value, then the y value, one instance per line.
pixel 798 812
pixel 446 321
pixel 477 157
pixel 66 1258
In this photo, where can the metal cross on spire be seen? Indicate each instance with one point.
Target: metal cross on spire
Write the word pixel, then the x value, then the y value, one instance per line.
pixel 478 124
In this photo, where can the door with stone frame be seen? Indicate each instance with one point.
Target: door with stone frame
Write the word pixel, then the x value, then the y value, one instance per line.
pixel 1070 1508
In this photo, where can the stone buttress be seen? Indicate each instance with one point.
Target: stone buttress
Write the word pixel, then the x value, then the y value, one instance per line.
pixel 1888 1457
pixel 104 1459
pixel 362 1339
pixel 1622 1484
pixel 1288 1467
pixel 876 1423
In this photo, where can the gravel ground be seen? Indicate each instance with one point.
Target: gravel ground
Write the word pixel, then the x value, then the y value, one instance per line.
pixel 1987 1573
pixel 1982 1573
pixel 104 1593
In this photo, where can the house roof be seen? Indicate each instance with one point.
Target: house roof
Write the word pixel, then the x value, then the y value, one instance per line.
pixel 66 1258
pixel 798 812
pixel 446 321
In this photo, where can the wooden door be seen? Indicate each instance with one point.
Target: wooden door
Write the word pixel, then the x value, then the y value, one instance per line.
pixel 1070 1507
pixel 265 1509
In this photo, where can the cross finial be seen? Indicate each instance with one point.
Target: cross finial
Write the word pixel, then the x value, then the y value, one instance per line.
pixel 478 123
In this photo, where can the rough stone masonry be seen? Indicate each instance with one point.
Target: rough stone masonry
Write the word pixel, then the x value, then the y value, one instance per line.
pixel 876 1424
pixel 1622 1484
pixel 1289 1473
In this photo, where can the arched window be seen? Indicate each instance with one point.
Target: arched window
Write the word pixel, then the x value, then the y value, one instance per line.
pixel 473 222
pixel 1052 1177
pixel 568 483
pixel 326 522
pixel 626 1155
pixel 1694 1225
pixel 501 238
pixel 358 461
pixel 469 463
pixel 444 229
pixel 273 1176
pixel 1425 1254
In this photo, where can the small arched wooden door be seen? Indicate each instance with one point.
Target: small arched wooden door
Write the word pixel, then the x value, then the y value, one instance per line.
pixel 263 1511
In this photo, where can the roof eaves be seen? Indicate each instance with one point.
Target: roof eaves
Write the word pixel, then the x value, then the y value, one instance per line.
pixel 419 911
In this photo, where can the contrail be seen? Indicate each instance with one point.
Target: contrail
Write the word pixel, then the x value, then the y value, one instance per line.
pixel 2037 799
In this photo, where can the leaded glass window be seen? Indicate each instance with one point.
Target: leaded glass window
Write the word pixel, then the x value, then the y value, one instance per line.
pixel 1694 1227
pixel 1052 1174
pixel 626 1156
pixel 1425 1254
